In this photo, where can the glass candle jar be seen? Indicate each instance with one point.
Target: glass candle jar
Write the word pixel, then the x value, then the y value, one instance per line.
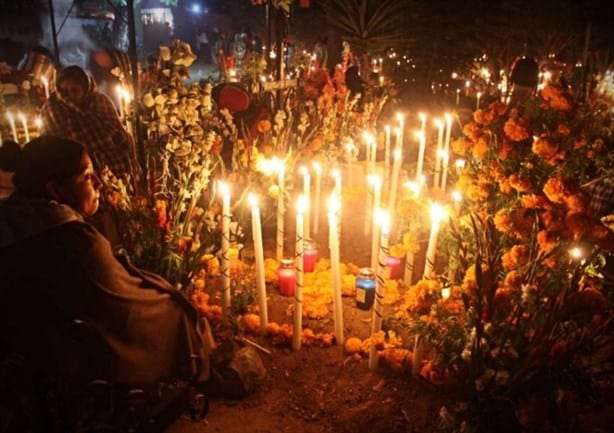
pixel 365 288
pixel 287 277
pixel 393 264
pixel 310 255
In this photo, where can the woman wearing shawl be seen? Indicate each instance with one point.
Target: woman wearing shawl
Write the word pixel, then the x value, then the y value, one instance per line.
pixel 56 269
pixel 79 112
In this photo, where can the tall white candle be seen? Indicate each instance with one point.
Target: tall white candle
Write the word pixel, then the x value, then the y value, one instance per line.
pixel 45 86
pixel 437 216
pixel 396 167
pixel 307 194
pixel 368 207
pixel 119 91
pixel 301 209
pixel 421 150
pixel 439 124
pixel 386 156
pixel 336 174
pixel 225 265
pixel 477 101
pixel 334 205
pixel 259 256
pixel 376 185
pixel 316 202
pixel 24 124
pixel 281 210
pixel 457 96
pixel 446 151
pixel 401 130
pixel 378 305
pixel 11 120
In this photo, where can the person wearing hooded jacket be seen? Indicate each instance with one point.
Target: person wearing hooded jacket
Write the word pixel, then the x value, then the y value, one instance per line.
pixel 56 270
pixel 79 112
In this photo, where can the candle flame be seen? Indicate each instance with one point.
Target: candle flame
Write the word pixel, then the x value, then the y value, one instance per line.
pixel 437 122
pixel 334 204
pixel 414 187
pixel 445 293
pixel 382 217
pixel 317 167
pixel 460 163
pixel 252 199
pixel 224 188
pixel 576 253
pixel 38 122
pixel 422 117
pixel 304 170
pixel 397 154
pixel 374 180
pixel 457 196
pixel 301 204
pixel 438 212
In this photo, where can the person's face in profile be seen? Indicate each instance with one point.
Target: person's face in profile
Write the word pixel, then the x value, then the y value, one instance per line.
pixel 81 191
pixel 72 91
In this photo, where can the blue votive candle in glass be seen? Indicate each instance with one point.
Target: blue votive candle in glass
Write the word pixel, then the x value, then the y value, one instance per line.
pixel 365 288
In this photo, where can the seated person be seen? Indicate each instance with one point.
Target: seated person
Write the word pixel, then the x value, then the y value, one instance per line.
pixel 56 268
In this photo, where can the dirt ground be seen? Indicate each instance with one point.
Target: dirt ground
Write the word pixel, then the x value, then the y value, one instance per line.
pixel 320 389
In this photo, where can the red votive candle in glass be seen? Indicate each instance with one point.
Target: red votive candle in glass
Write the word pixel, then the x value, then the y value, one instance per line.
pixel 287 277
pixel 393 263
pixel 310 255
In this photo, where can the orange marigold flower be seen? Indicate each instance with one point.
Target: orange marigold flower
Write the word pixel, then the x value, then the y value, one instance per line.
pixel 484 117
pixel 472 131
pixel 516 129
pixel 498 107
pixel 503 221
pixel 534 201
pixel 545 148
pixel 480 148
pixel 546 241
pixel 555 190
pixel 520 182
pixel 579 143
pixel 507 261
pixel 504 186
pixel 461 146
pixel 552 220
pixel 513 280
pixel 556 97
pixel 579 224
pixel 563 129
pixel 520 254
pixel 576 202
pixel 479 192
pixel 506 150
pixel 464 182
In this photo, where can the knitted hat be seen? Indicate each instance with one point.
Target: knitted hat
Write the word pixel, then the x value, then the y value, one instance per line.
pixel 42 159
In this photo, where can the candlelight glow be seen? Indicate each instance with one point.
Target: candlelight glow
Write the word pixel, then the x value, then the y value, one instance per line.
pixel 438 213
pixel 382 217
pixel 252 199
pixel 459 164
pixel 38 122
pixel 445 293
pixel 334 204
pixel 576 253
pixel 224 188
pixel 301 204
pixel 414 187
pixel 317 167
pixel 457 197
